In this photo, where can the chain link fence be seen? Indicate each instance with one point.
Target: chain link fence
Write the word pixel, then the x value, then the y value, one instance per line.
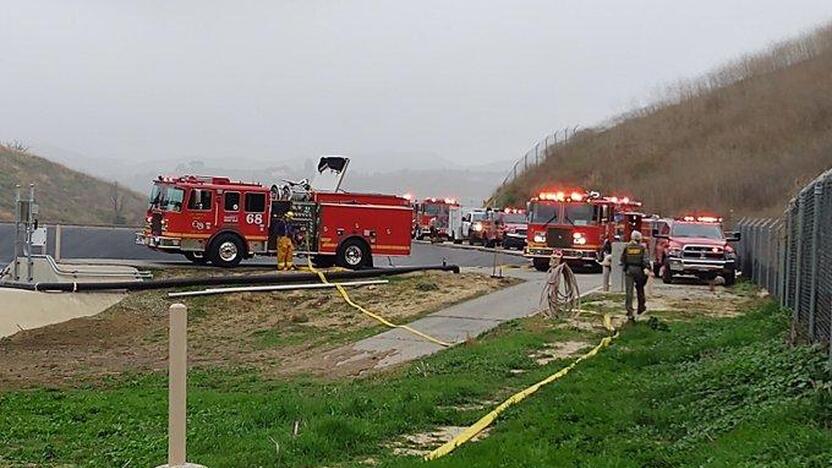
pixel 791 257
pixel 539 152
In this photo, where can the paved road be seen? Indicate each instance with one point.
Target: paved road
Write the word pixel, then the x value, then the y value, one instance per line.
pixel 455 324
pixel 118 243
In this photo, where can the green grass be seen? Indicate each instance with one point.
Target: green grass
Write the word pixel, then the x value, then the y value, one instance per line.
pixel 712 392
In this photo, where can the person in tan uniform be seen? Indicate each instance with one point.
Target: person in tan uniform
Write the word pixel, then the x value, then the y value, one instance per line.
pixel 636 263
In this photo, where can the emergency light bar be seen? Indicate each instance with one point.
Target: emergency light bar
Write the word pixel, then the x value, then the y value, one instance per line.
pixel 702 219
pixel 448 201
pixel 560 196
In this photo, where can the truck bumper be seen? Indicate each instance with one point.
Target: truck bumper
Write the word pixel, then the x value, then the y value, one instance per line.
pixel 570 255
pixel 685 266
pixel 158 242
pixel 514 242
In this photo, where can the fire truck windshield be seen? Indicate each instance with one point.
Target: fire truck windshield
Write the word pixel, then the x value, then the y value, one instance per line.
pixel 433 209
pixel 166 197
pixel 543 213
pixel 708 231
pixel 579 214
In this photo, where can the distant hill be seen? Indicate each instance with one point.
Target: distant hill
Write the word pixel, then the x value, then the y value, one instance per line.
pixel 743 138
pixel 64 195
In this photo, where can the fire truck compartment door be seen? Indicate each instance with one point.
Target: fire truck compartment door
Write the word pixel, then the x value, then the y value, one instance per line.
pixel 331 170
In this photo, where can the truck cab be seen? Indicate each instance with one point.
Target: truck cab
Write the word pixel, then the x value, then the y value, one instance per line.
pixel 571 225
pixel 436 212
pixel 694 246
pixel 515 228
pixel 484 227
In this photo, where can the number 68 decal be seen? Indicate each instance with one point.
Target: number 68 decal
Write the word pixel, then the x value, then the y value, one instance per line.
pixel 254 218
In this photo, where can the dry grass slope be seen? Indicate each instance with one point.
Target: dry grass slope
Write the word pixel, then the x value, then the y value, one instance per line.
pixel 745 137
pixel 64 195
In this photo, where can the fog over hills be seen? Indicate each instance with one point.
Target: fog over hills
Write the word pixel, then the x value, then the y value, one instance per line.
pixel 420 174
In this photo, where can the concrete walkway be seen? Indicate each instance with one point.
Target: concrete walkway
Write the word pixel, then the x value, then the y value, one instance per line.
pixel 460 322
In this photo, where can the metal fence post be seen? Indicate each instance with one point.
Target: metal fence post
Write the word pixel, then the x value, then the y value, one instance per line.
pixel 813 262
pixel 798 256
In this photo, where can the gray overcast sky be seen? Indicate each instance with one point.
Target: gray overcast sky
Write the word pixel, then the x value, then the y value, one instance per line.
pixel 474 81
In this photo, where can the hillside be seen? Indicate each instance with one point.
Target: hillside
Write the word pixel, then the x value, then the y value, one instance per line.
pixel 742 138
pixel 64 195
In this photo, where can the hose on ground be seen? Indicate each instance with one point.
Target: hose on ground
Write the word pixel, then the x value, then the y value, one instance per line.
pixel 561 293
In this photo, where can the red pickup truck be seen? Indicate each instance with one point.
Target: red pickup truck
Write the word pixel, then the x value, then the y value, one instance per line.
pixel 694 246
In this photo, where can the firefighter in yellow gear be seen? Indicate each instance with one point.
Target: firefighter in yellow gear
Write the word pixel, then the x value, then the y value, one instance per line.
pixel 285 246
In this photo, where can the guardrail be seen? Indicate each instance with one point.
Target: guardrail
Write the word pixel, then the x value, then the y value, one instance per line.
pixel 792 258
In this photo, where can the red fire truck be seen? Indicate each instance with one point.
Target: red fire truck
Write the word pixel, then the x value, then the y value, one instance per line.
pixel 430 209
pixel 572 224
pixel 214 219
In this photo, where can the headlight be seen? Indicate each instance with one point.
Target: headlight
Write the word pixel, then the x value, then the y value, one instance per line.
pixel 674 252
pixel 540 237
pixel 477 227
pixel 578 238
pixel 730 255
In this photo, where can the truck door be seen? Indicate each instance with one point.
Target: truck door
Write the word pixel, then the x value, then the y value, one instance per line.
pixel 230 210
pixel 254 220
pixel 200 207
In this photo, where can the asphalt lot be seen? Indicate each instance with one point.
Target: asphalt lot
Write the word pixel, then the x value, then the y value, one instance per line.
pixel 82 242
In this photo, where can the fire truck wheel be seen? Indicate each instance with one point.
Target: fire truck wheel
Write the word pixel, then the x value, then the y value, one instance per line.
pixel 227 250
pixel 541 264
pixel 198 259
pixel 353 254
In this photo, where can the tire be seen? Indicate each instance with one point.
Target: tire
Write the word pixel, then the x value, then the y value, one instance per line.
pixel 657 269
pixel 730 278
pixel 354 254
pixel 541 264
pixel 323 261
pixel 667 275
pixel 197 259
pixel 227 250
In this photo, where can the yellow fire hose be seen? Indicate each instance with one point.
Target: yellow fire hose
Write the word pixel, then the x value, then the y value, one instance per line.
pixel 489 418
pixel 375 316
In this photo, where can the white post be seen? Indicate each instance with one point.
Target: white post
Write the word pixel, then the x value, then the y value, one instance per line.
pixel 57 242
pixel 177 387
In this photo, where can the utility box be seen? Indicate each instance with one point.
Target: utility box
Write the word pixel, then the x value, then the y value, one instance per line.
pixel 39 237
pixel 617 273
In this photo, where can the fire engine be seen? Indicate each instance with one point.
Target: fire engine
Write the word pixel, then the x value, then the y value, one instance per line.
pixel 628 217
pixel 214 219
pixel 694 245
pixel 438 211
pixel 572 224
